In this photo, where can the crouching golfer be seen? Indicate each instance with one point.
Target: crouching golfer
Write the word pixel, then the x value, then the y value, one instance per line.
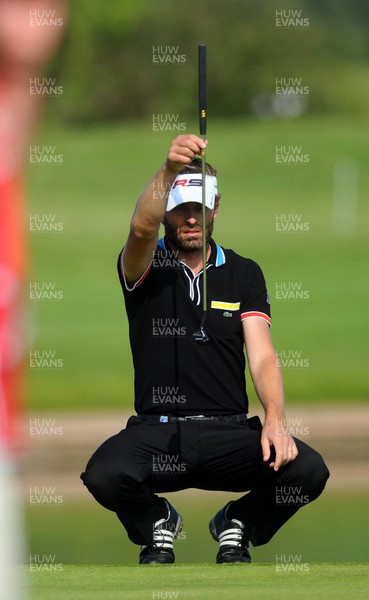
pixel 191 429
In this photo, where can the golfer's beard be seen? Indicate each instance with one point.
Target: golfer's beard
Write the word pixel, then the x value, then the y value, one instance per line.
pixel 186 245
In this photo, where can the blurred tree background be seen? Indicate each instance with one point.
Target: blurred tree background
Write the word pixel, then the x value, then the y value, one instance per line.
pixel 107 59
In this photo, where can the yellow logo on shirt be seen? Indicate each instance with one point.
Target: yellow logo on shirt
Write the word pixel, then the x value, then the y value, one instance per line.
pixel 221 305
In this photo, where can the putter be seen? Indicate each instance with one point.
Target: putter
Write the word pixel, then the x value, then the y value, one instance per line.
pixel 201 337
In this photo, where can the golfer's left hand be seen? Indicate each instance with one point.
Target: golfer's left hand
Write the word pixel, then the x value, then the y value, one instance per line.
pixel 275 434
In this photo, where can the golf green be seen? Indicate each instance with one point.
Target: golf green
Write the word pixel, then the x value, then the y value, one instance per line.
pixel 323 581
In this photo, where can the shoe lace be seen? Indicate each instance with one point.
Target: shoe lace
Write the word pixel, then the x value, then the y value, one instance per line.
pixel 234 537
pixel 162 538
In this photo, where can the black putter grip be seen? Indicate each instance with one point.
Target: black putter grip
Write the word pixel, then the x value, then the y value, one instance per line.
pixel 202 89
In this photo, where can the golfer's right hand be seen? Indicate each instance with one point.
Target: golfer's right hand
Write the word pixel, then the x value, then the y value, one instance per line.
pixel 184 149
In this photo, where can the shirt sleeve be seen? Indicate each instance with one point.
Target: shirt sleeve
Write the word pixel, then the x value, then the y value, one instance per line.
pixel 255 302
pixel 129 286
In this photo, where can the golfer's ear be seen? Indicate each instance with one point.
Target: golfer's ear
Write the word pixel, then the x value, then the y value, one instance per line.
pixel 216 205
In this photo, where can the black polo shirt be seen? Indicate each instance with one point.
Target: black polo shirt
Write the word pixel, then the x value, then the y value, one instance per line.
pixel 173 374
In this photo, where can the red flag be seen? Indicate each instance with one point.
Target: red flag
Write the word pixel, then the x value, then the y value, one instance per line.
pixel 12 307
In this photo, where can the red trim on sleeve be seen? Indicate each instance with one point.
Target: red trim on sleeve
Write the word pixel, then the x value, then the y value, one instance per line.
pixel 139 281
pixel 255 313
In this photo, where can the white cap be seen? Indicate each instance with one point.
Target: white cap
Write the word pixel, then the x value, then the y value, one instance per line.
pixel 187 187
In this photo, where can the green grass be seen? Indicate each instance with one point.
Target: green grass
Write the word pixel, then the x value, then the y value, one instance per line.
pixel 320 581
pixel 93 194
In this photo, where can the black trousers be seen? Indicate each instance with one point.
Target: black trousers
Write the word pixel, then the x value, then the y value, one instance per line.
pixel 130 468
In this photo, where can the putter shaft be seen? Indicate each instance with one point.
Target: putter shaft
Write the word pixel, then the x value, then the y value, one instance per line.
pixel 204 248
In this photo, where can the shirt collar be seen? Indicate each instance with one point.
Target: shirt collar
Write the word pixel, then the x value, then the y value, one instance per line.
pixel 217 256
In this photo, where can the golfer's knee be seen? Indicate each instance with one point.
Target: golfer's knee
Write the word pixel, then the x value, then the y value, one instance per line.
pixel 103 484
pixel 314 473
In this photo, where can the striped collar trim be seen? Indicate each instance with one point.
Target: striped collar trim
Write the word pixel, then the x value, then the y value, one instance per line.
pixel 220 258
